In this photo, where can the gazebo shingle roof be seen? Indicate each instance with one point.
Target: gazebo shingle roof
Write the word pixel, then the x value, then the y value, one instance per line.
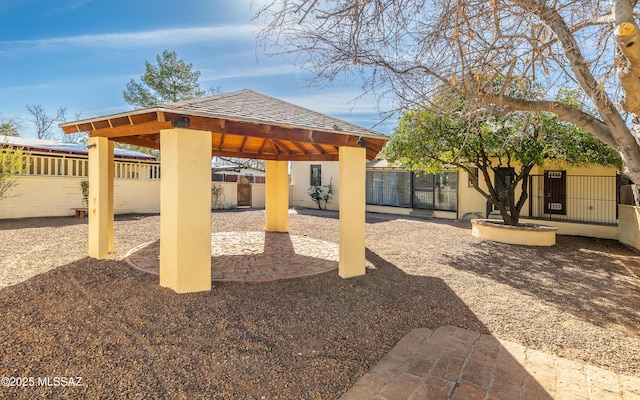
pixel 244 124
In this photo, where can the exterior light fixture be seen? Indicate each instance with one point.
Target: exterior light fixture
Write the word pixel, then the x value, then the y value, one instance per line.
pixel 182 122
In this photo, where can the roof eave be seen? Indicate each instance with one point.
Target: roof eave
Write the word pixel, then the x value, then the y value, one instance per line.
pixel 158 110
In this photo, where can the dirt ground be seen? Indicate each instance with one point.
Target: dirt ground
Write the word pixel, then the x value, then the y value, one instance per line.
pixel 65 315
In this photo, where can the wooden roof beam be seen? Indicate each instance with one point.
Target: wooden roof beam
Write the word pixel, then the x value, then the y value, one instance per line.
pixel 146 128
pixel 71 129
pixel 139 141
pixel 278 157
pixel 272 132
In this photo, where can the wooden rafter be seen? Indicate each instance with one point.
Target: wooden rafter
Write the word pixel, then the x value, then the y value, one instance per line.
pixel 264 143
pixel 300 147
pixel 244 140
pixel 145 128
pixel 273 146
pixel 271 132
pixel 282 147
pixel 319 148
pixel 278 157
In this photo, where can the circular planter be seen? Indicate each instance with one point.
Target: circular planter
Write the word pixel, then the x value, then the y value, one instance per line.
pixel 525 234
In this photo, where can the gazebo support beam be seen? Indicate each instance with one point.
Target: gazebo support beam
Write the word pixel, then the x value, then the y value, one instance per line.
pixel 277 196
pixel 185 210
pixel 100 207
pixel 352 211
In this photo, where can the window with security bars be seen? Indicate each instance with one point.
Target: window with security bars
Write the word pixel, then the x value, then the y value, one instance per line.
pixel 316 175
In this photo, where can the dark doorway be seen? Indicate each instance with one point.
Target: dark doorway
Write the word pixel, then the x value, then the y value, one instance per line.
pixel 555 192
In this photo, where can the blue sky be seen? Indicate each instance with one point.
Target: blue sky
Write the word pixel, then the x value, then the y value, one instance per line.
pixel 80 54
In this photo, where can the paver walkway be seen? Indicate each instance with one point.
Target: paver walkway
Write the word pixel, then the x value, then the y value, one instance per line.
pixel 455 363
pixel 252 256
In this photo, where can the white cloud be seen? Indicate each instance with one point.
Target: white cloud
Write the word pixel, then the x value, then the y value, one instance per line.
pixel 173 36
pixel 337 102
pixel 347 104
pixel 252 72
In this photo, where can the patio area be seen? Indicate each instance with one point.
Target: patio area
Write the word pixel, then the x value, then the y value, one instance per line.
pixel 252 256
pixel 319 336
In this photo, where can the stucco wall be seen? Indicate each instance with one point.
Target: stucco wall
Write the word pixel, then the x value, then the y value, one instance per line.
pixel 577 229
pixel 228 198
pixel 629 225
pixel 300 183
pixel 47 196
pixel 470 201
pixel 257 195
pixel 136 196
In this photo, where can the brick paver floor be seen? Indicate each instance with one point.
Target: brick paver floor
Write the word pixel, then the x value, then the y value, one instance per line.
pixel 455 363
pixel 252 256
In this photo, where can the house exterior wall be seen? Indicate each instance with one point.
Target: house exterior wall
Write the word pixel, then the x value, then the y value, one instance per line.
pixel 472 204
pixel 629 226
pixel 300 183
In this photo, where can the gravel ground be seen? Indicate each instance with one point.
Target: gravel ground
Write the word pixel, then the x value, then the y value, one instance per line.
pixel 65 315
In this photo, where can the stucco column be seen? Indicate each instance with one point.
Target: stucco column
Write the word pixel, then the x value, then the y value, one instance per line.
pixel 110 182
pixel 185 210
pixel 352 211
pixel 100 197
pixel 277 196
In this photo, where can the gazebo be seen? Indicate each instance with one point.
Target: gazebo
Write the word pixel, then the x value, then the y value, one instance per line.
pixel 243 124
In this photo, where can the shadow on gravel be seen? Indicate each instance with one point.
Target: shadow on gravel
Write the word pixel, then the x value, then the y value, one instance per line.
pixel 374 217
pixel 40 222
pixel 593 279
pixel 125 335
pixel 57 222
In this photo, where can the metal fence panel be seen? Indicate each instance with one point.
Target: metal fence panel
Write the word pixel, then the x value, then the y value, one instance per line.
pixel 413 190
pixel 588 199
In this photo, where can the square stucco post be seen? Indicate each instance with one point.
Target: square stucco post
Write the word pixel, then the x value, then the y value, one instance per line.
pixel 185 210
pixel 110 180
pixel 352 211
pixel 100 198
pixel 277 196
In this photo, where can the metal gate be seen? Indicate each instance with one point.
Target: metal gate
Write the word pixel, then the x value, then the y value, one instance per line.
pixel 555 192
pixel 423 191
